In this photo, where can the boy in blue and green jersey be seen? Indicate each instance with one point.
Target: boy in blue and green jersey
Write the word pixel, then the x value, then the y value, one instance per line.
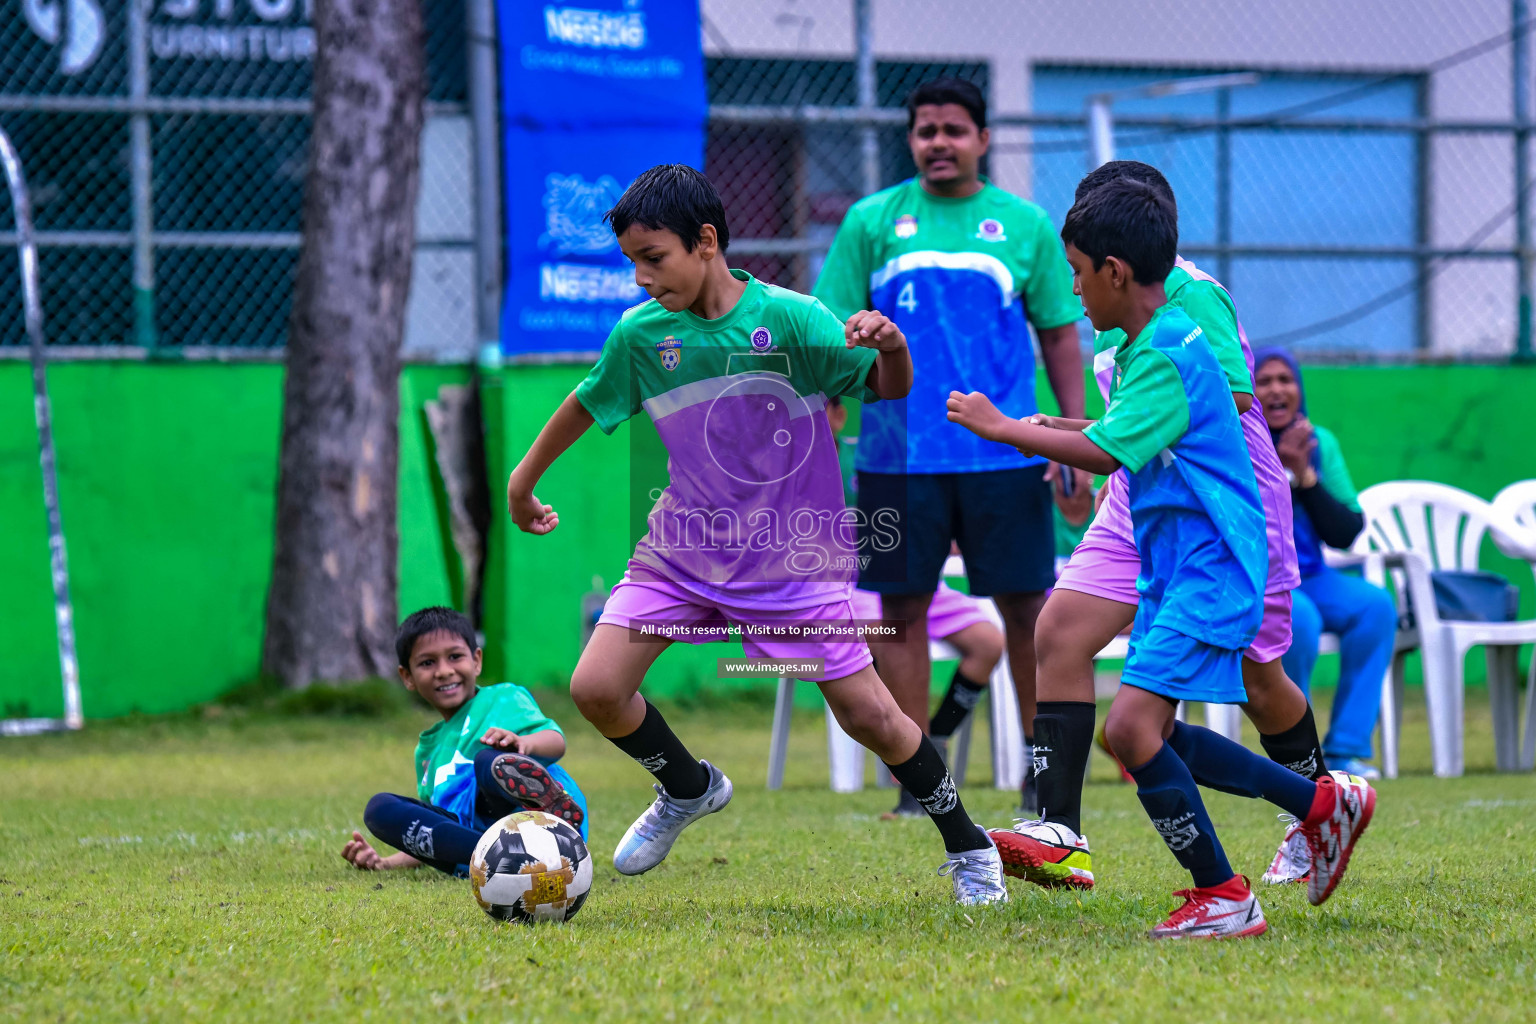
pixel 492 755
pixel 1199 529
pixel 964 269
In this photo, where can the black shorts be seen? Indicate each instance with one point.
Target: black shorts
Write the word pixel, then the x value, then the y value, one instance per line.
pixel 1001 519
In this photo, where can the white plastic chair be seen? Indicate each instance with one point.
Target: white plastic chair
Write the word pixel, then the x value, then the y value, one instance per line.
pixel 1434 526
pixel 1517 504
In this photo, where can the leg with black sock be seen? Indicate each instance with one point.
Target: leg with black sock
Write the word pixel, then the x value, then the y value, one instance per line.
pixel 1063 741
pixel 1297 748
pixel 925 777
pixel 1218 763
pixel 425 832
pixel 656 748
pixel 958 702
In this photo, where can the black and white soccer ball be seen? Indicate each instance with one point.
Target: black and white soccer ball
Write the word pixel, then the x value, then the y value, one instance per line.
pixel 531 867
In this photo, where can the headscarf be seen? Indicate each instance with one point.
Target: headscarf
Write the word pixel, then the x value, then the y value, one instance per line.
pixel 1263 356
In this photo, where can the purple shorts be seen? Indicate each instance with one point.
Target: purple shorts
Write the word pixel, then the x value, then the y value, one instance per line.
pixel 1105 564
pixel 948 613
pixel 637 605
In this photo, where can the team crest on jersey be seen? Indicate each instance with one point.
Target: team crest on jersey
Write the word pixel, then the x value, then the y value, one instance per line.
pixel 906 226
pixel 762 339
pixel 671 352
pixel 991 230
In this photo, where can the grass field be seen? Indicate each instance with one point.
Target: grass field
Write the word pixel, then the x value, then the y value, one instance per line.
pixel 189 869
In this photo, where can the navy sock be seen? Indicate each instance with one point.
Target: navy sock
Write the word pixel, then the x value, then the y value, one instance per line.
pixel 421 830
pixel 1167 790
pixel 1218 763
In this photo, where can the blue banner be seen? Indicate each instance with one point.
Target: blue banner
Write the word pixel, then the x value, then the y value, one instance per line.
pixel 590 97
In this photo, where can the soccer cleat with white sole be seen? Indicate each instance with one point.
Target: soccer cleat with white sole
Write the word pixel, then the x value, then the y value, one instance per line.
pixel 650 838
pixel 977 874
pixel 1340 815
pixel 1293 860
pixel 1046 853
pixel 1226 911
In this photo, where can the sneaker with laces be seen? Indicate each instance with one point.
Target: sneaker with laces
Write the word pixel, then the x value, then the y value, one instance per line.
pixel 525 781
pixel 1045 853
pixel 1340 813
pixel 1293 860
pixel 650 838
pixel 977 874
pixel 1225 911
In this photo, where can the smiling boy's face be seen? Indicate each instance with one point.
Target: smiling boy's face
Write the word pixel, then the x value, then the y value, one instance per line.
pixel 443 670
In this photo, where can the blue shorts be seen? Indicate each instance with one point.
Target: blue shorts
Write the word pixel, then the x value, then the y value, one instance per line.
pixel 1003 521
pixel 1177 666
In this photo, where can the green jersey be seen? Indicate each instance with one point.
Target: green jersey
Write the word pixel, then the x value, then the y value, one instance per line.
pixel 753 515
pixel 445 753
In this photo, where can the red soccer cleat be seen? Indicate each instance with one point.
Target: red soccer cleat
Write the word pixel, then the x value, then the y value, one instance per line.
pixel 1225 911
pixel 1340 813
pixel 1045 853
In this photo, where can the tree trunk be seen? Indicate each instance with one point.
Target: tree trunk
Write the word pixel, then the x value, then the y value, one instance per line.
pixel 331 607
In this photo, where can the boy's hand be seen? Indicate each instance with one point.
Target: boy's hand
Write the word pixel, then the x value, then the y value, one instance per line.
pixel 976 413
pixel 495 737
pixel 873 329
pixel 361 855
pixel 530 514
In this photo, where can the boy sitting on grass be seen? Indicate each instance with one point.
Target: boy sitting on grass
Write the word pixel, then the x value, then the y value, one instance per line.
pixel 492 755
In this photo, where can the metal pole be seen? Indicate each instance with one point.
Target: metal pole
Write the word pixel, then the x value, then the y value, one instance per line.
pixel 869 138
pixel 1519 14
pixel 481 18
pixel 1101 130
pixel 1224 184
pixel 141 175
pixel 63 611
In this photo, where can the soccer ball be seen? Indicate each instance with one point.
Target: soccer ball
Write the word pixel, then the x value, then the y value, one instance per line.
pixel 531 867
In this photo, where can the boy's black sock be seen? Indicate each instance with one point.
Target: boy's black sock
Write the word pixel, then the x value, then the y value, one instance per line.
pixel 656 748
pixel 925 777
pixel 1167 791
pixel 1297 748
pixel 1063 741
pixel 957 703
pixel 421 831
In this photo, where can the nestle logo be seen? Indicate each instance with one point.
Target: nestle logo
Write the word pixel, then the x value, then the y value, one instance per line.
pixel 607 30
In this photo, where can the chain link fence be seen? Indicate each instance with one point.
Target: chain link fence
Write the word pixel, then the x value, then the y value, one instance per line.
pixel 1350 171
pixel 164 144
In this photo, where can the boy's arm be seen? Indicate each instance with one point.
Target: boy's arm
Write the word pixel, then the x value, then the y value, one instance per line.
pixel 891 376
pixel 1059 422
pixel 564 428
pixel 541 743
pixel 976 413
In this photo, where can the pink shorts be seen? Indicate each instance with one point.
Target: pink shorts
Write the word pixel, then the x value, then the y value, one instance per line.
pixel 948 613
pixel 1105 565
pixel 637 605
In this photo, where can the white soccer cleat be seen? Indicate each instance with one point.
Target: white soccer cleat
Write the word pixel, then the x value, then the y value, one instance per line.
pixel 1293 860
pixel 650 838
pixel 1226 911
pixel 1046 853
pixel 978 876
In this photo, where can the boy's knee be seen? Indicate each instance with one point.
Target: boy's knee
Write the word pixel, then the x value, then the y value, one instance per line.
pixel 373 813
pixel 485 758
pixel 869 723
pixel 1380 613
pixel 594 696
pixel 1126 737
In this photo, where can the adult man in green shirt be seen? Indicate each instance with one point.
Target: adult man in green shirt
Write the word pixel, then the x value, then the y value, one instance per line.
pixel 964 268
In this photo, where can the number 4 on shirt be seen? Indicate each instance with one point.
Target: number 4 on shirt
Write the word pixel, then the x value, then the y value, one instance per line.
pixel 907 298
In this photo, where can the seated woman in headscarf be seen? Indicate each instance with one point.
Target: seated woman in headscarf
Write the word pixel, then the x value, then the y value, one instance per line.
pixel 1326 512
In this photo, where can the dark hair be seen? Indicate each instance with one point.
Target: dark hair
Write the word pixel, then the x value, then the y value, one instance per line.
pixel 436 619
pixel 948 90
pixel 1129 220
pixel 675 198
pixel 1132 169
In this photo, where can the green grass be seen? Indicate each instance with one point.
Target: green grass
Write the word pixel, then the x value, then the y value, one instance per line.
pixel 189 870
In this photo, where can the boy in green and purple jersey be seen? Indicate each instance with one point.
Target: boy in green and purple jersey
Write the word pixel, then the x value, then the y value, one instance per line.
pixel 752 529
